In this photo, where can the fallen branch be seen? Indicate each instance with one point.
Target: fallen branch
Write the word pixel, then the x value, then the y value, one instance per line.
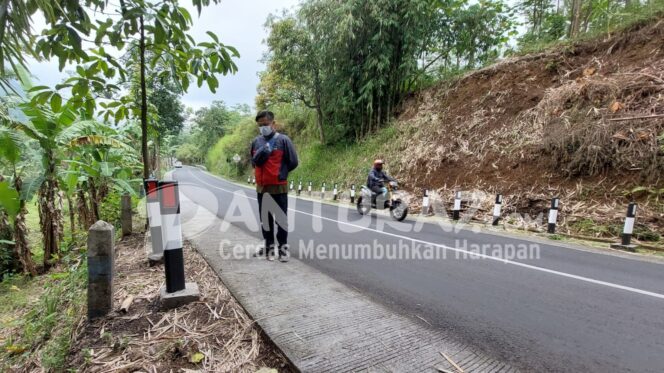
pixel 632 118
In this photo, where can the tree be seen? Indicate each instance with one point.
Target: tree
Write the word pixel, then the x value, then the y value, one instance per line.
pixel 294 67
pixel 45 125
pixel 210 124
pixel 354 61
pixel 159 28
pixel 14 201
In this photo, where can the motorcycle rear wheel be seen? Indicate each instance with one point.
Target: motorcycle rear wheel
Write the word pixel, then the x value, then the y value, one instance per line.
pixel 362 208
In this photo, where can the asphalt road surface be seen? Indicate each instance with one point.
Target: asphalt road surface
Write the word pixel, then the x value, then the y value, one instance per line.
pixel 565 309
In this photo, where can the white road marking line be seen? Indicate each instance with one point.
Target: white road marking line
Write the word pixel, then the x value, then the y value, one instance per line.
pixel 470 253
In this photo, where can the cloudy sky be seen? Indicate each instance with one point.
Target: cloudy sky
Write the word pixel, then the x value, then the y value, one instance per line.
pixel 238 23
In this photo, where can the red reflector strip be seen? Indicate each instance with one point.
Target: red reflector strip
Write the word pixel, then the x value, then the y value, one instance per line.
pixel 151 187
pixel 168 197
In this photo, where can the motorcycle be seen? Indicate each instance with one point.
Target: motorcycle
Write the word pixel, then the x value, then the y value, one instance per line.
pixel 393 201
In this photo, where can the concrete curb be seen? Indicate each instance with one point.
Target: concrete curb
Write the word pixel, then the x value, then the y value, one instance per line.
pixel 320 324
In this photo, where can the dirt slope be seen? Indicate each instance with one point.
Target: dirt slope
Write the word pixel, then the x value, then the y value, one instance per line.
pixel 553 123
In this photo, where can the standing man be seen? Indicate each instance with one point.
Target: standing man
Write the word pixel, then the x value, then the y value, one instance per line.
pixel 273 157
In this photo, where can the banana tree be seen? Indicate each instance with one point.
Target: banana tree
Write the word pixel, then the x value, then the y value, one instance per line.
pixel 13 197
pixel 99 158
pixel 45 125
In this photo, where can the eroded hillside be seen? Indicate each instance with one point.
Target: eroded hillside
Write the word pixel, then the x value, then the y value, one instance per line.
pixel 584 122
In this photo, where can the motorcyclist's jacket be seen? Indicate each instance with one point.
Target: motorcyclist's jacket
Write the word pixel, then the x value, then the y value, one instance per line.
pixel 376 178
pixel 272 157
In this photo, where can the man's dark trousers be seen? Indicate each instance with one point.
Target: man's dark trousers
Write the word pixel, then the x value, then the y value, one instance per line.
pixel 280 202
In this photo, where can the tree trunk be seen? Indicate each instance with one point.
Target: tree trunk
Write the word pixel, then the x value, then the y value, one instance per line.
pixel 94 201
pixel 144 104
pixel 50 218
pixel 575 18
pixel 21 245
pixel 84 215
pixel 72 215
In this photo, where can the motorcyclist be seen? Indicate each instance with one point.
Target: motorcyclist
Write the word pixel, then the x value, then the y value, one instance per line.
pixel 377 178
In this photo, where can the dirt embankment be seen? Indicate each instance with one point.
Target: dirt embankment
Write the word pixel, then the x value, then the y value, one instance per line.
pixel 583 122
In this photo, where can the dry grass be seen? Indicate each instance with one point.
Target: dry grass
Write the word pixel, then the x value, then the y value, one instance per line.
pixel 215 330
pixel 552 124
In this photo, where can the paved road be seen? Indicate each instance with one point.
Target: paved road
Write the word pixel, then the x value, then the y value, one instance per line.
pixel 566 310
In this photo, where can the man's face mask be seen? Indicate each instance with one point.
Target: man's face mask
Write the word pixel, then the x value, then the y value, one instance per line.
pixel 265 130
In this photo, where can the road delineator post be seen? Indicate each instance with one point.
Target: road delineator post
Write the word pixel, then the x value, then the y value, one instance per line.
pixel 176 292
pixel 151 187
pixel 309 188
pixel 456 211
pixel 299 188
pixel 322 191
pixel 425 202
pixel 352 193
pixel 553 215
pixel 628 229
pixel 291 186
pixel 496 209
pixel 249 180
pixel 253 180
pixel 334 192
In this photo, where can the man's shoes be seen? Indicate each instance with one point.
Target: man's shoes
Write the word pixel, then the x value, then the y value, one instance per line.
pixel 270 255
pixel 284 254
pixel 260 252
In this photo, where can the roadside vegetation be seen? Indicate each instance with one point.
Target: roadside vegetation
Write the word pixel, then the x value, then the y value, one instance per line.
pixel 69 152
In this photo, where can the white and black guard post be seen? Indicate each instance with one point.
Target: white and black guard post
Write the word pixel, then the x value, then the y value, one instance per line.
pixel 176 292
pixel 628 229
pixel 291 185
pixel 309 188
pixel 553 215
pixel 322 191
pixel 352 193
pixel 496 209
pixel 151 187
pixel 299 187
pixel 456 210
pixel 248 179
pixel 425 202
pixel 253 180
pixel 334 192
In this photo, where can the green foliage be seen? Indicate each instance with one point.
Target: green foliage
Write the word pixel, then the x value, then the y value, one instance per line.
pixel 47 323
pixel 318 162
pixel 220 156
pixel 354 61
pixel 210 124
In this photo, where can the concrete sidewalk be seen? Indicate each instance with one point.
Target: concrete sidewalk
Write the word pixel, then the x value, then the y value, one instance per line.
pixel 320 324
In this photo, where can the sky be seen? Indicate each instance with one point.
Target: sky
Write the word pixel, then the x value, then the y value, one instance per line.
pixel 238 23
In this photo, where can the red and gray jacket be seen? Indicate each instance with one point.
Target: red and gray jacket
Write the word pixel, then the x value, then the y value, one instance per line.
pixel 273 157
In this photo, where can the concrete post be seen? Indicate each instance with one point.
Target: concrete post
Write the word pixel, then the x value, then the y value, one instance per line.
pixel 176 292
pixel 456 211
pixel 496 209
pixel 125 215
pixel 553 215
pixel 101 265
pixel 628 229
pixel 151 186
pixel 425 202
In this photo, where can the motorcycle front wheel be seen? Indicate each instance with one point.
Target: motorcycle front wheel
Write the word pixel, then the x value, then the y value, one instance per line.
pixel 399 210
